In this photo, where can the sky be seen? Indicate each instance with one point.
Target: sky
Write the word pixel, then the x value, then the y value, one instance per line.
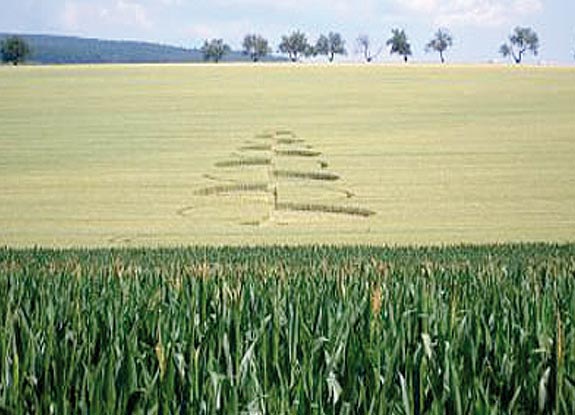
pixel 479 27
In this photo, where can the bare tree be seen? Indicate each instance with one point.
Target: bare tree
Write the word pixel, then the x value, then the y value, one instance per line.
pixel 364 48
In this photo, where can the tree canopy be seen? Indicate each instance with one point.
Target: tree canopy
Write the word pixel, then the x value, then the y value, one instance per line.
pixel 215 50
pixel 256 47
pixel 521 41
pixel 330 45
pixel 295 45
pixel 441 41
pixel 399 43
pixel 14 50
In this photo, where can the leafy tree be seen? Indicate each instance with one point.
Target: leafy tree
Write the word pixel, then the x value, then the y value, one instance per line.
pixel 330 45
pixel 364 47
pixel 296 45
pixel 399 43
pixel 441 41
pixel 256 47
pixel 215 50
pixel 521 41
pixel 14 50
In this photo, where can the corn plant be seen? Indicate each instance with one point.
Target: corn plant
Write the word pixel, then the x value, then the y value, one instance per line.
pixel 285 330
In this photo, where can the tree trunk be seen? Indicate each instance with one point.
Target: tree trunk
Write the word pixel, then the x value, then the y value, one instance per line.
pixel 366 56
pixel 441 56
pixel 520 57
pixel 405 58
pixel 331 57
pixel 517 58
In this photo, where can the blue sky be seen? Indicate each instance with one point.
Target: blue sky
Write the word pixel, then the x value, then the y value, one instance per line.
pixel 478 26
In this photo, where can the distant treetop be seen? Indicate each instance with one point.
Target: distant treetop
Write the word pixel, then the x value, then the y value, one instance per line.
pixel 399 43
pixel 363 45
pixel 214 50
pixel 295 45
pixel 330 45
pixel 521 41
pixel 14 50
pixel 256 47
pixel 442 40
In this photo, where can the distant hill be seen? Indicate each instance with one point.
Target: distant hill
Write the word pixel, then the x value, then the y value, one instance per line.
pixel 48 49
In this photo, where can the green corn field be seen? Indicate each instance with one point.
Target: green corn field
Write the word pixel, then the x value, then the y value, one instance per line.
pixel 278 330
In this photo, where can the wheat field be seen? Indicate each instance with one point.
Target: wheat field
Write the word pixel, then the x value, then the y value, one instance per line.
pixel 131 155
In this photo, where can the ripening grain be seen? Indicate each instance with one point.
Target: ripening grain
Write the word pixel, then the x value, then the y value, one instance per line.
pixel 109 155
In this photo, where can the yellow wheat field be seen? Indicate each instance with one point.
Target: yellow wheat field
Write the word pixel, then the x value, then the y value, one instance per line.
pixel 130 155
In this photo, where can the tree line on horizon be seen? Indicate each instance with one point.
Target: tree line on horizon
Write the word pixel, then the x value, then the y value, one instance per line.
pixel 295 45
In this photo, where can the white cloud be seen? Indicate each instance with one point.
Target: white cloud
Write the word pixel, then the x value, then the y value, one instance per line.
pixel 339 7
pixel 477 13
pixel 71 15
pixel 171 2
pixel 528 6
pixel 231 31
pixel 284 16
pixel 205 31
pixel 79 15
pixel 423 6
pixel 472 12
pixel 133 13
